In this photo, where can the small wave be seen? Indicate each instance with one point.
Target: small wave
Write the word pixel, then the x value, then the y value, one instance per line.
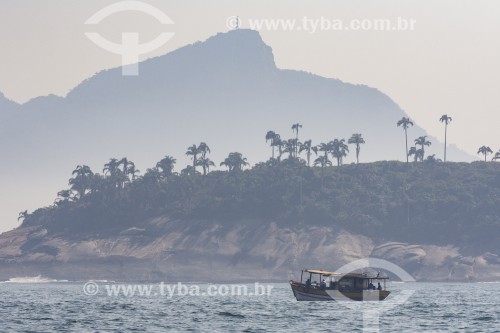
pixel 229 314
pixel 32 279
pixel 102 281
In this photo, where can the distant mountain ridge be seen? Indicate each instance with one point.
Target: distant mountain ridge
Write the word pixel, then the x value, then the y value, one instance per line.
pixel 231 74
pixel 226 91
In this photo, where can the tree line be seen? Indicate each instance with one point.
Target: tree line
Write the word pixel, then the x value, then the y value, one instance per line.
pixel 119 173
pixel 418 151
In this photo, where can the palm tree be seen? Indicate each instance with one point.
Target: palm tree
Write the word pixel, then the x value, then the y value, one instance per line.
pixel 238 161
pixel 405 122
pixel 279 143
pixel 271 136
pixel 203 149
pixel 325 148
pixel 295 128
pixel 485 151
pixel 193 151
pixel 82 180
pixel 115 173
pixel 235 162
pixel 497 156
pixel 356 139
pixel 131 170
pixel 112 167
pixel 446 120
pixel 339 150
pixel 422 141
pixel 205 163
pixel 166 166
pixel 290 147
pixel 418 153
pixel 128 167
pixel 308 147
pixel 125 163
pixel 23 215
pixel 64 196
pixel 322 161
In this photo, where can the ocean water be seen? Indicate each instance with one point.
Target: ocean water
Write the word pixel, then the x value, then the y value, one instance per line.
pixel 51 306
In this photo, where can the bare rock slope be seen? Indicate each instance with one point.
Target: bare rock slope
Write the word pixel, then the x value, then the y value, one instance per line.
pixel 172 250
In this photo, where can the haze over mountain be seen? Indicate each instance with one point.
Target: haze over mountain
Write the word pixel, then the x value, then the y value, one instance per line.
pixel 225 91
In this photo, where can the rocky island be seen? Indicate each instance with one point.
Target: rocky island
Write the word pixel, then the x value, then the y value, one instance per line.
pixel 439 221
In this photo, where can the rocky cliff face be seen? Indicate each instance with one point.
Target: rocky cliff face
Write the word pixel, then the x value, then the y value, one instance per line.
pixel 163 249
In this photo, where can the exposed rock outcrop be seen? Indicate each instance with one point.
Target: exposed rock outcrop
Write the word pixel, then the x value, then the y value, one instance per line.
pixel 164 249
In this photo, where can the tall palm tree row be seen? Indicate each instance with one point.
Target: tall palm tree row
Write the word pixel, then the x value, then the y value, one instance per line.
pixel 293 147
pixel 119 172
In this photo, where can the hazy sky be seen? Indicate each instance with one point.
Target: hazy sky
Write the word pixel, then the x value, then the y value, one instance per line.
pixel 449 64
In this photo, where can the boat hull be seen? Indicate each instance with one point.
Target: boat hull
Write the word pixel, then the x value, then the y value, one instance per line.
pixel 302 293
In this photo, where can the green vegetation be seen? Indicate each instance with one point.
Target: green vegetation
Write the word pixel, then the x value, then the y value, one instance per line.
pixel 432 202
pixel 426 202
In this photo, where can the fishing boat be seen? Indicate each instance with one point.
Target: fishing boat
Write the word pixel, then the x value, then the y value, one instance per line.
pixel 330 286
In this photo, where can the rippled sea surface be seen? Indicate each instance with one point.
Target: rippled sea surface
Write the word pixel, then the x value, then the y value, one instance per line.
pixel 64 307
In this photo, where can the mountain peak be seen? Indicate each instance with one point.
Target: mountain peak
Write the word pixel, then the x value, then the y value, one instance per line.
pixel 242 45
pixel 241 49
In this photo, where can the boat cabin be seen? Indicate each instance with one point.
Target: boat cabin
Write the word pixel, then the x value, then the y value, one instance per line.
pixel 343 282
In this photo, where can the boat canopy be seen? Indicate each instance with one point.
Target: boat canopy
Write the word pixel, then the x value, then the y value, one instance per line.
pixel 365 276
pixel 351 275
pixel 318 271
